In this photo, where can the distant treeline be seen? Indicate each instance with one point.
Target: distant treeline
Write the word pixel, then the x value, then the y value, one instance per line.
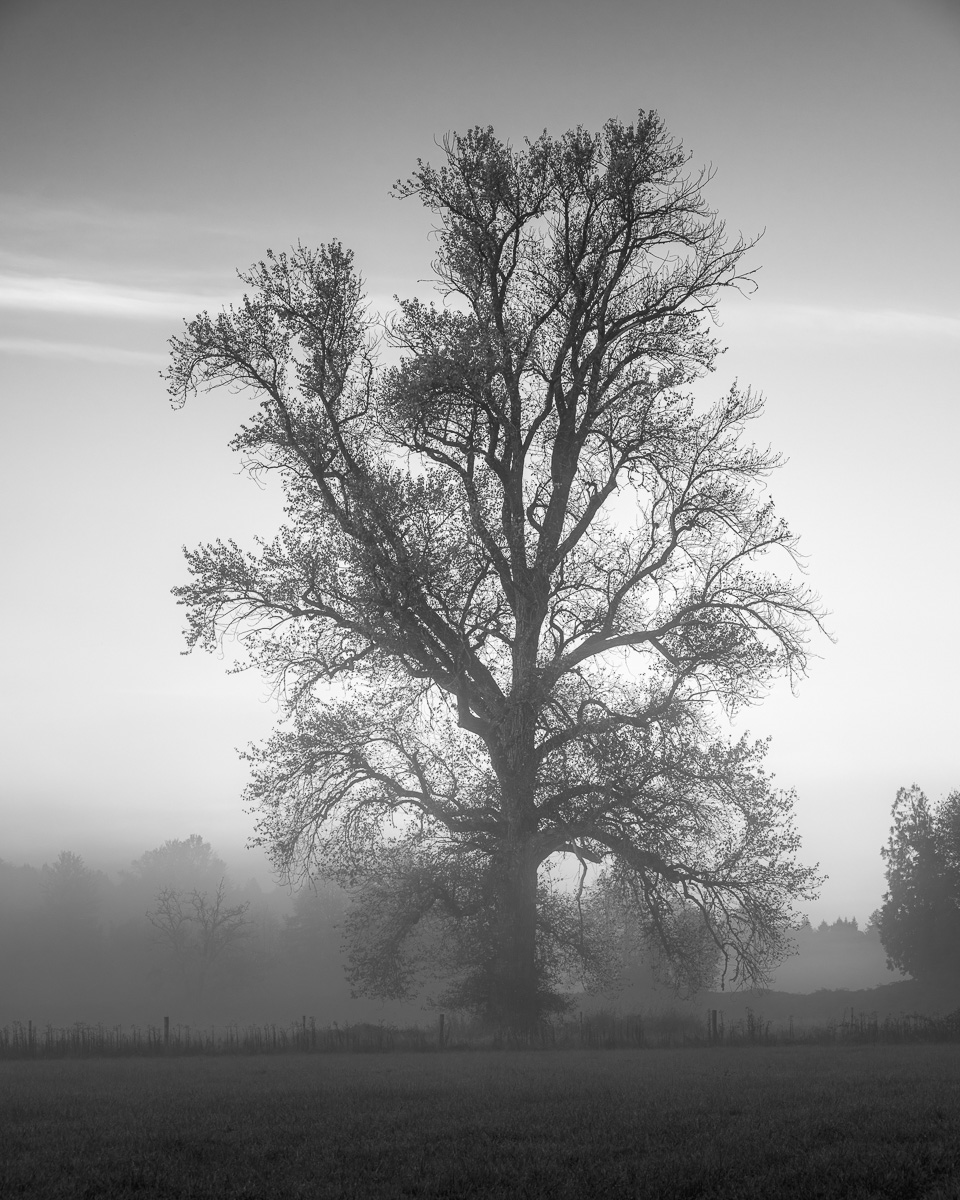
pixel 837 955
pixel 174 935
pixel 171 935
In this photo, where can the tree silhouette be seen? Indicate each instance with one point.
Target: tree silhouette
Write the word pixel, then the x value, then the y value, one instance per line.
pixel 919 921
pixel 522 571
pixel 197 929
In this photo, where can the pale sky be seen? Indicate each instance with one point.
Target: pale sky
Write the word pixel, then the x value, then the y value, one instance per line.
pixel 146 151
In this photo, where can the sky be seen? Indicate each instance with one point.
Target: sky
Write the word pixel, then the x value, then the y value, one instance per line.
pixel 148 151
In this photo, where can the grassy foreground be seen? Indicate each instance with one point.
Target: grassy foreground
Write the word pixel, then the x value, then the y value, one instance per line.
pixel 791 1121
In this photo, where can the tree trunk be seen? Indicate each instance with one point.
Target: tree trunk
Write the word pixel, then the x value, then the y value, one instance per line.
pixel 515 999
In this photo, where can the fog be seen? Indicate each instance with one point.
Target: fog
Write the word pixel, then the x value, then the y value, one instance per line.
pixel 177 934
pixel 180 933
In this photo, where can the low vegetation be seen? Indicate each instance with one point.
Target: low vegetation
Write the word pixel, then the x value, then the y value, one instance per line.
pixel 786 1121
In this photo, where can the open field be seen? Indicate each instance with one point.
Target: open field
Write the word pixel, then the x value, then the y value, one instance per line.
pixel 761 1121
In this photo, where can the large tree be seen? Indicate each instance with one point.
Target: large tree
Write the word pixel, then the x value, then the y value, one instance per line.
pixel 919 921
pixel 522 574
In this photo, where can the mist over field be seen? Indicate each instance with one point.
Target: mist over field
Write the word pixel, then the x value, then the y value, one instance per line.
pixel 79 944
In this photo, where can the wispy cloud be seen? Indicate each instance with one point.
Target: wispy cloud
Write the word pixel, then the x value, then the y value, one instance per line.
pixel 84 297
pixel 144 248
pixel 812 320
pixel 85 351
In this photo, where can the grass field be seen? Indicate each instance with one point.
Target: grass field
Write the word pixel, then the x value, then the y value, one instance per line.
pixel 762 1121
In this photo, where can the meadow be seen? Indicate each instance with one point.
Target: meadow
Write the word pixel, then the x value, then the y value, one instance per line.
pixel 776 1120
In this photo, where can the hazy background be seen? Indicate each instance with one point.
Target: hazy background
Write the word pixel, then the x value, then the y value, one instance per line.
pixel 175 935
pixel 146 151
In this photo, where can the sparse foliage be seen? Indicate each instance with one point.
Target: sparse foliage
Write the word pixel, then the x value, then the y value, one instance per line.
pixel 523 568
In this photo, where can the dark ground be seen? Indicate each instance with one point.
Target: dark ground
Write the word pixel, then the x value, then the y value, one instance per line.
pixel 747 1122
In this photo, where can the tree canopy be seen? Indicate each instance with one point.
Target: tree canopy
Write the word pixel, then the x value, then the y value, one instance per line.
pixel 181 863
pixel 523 572
pixel 919 920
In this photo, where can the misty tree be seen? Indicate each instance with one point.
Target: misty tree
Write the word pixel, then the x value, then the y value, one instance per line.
pixel 310 941
pixel 198 929
pixel 73 895
pixel 180 863
pixel 919 921
pixel 524 575
pixel 73 891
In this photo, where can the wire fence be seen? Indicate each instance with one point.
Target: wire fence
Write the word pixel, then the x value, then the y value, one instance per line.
pixel 595 1031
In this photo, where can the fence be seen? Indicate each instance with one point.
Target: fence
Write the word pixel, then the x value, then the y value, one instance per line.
pixel 595 1031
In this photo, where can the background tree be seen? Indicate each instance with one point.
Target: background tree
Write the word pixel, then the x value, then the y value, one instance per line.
pixel 198 929
pixel 73 895
pixel 183 864
pixel 522 570
pixel 311 940
pixel 167 900
pixel 919 920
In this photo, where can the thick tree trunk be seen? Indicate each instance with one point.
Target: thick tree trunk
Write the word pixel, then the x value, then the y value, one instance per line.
pixel 516 987
pixel 516 998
